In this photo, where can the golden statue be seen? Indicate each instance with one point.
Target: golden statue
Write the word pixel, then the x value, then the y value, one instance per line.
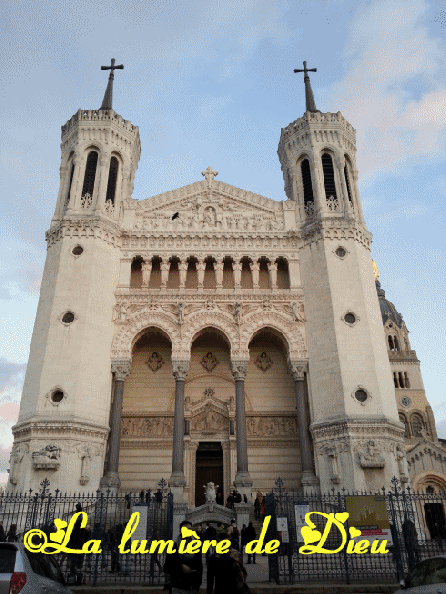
pixel 375 270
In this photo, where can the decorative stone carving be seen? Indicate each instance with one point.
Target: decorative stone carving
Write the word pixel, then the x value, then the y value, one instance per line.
pixel 180 312
pixel 47 458
pixel 165 268
pixel 298 369
pixel 209 174
pixel 147 427
pixel 86 201
pixel 239 370
pixel 121 369
pixel 332 204
pixel 155 362
pixel 332 454
pixel 85 454
pixel 180 369
pixel 120 312
pixel 210 492
pixel 209 361
pixel 297 311
pixel 209 393
pixel 209 421
pixel 263 362
pixel 400 456
pixel 271 426
pixel 238 313
pixel 370 456
pixel 17 454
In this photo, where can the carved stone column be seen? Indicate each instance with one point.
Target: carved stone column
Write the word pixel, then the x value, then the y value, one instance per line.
pixel 237 268
pixel 255 271
pixel 182 267
pixel 125 184
pixel 272 267
pixel 242 480
pixel 104 168
pixel 75 197
pixel 218 266
pixel 201 267
pixel 111 480
pixel 177 480
pixel 165 267
pixel 298 370
pixel 146 272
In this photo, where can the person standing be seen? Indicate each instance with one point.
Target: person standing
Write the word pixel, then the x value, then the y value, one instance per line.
pixel 12 533
pixel 210 534
pixel 184 569
pixel 249 535
pixel 235 537
pixel 226 571
pixel 257 508
pixel 2 533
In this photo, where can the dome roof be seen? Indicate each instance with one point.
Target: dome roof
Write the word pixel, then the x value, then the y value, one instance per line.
pixel 388 310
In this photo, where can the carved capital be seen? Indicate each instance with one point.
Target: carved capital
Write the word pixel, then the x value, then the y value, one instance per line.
pixel 180 369
pixel 121 369
pixel 239 369
pixel 298 368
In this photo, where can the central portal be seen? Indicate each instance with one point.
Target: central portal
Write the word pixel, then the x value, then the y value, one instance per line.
pixel 209 469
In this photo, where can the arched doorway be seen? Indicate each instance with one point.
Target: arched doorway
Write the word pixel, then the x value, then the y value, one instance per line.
pixel 209 468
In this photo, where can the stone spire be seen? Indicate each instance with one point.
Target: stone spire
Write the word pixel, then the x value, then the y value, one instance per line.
pixel 310 104
pixel 108 96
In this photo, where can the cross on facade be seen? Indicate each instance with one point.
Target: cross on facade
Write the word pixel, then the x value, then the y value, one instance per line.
pixel 310 104
pixel 113 67
pixel 209 174
pixel 108 96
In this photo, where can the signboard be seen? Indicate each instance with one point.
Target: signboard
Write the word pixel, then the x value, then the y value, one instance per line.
pixel 282 527
pixel 368 513
pixel 299 513
pixel 141 530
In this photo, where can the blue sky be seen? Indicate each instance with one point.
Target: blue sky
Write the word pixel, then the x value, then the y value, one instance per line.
pixel 212 83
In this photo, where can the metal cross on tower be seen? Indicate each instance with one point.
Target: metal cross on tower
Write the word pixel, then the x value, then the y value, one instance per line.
pixel 310 104
pixel 108 96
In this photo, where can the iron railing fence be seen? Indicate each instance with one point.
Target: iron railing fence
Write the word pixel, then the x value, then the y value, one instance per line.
pixel 108 514
pixel 416 520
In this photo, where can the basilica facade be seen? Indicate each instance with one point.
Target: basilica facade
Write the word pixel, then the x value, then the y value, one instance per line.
pixel 213 334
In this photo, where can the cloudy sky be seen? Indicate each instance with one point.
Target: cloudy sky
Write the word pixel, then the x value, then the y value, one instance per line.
pixel 212 83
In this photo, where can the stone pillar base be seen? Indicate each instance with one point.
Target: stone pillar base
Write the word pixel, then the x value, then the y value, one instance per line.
pixel 242 513
pixel 179 514
pixel 243 483
pixel 110 482
pixel 310 483
pixel 177 482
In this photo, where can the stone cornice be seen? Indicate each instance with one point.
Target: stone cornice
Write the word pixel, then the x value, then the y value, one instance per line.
pixel 87 226
pixel 61 428
pixel 336 229
pixel 358 428
pixel 145 295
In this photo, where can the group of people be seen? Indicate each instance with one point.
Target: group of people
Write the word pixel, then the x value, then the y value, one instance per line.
pixel 10 535
pixel 225 571
pixel 235 497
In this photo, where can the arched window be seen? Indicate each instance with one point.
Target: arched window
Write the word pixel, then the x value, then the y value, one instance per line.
pixel 136 273
pixel 329 182
pixel 417 425
pixel 90 173
pixel 395 342
pixel 401 379
pixel 391 345
pixel 112 178
pixel 347 183
pixel 306 181
pixel 405 423
pixel 395 380
pixel 406 380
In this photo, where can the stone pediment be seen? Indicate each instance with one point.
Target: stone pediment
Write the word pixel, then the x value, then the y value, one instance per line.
pixel 426 448
pixel 209 414
pixel 208 207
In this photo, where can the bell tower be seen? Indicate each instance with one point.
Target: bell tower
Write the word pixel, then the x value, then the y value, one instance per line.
pixel 63 422
pixel 355 425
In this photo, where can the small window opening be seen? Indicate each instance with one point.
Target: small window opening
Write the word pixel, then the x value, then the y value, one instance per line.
pixel 68 317
pixel 90 173
pixel 112 178
pixel 350 318
pixel 77 250
pixel 340 252
pixel 306 181
pixel 361 395
pixel 57 396
pixel 347 183
pixel 329 182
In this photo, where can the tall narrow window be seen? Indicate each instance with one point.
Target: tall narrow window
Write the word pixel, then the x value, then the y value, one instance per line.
pixel 391 346
pixel 395 380
pixel 67 199
pixel 329 182
pixel 306 181
pixel 347 183
pixel 90 173
pixel 112 177
pixel 406 380
pixel 395 341
pixel 401 379
pixel 417 425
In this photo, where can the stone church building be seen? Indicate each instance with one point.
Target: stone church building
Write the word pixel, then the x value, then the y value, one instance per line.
pixel 212 334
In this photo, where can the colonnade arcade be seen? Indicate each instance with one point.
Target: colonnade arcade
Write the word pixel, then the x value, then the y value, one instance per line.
pixel 212 414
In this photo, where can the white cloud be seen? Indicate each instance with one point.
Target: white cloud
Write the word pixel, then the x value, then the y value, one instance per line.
pixel 391 87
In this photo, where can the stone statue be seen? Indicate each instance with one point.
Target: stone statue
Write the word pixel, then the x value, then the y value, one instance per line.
pixel 210 492
pixel 400 455
pixel 123 311
pixel 47 458
pixel 296 312
pixel 146 270
pixel 180 313
pixel 238 313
